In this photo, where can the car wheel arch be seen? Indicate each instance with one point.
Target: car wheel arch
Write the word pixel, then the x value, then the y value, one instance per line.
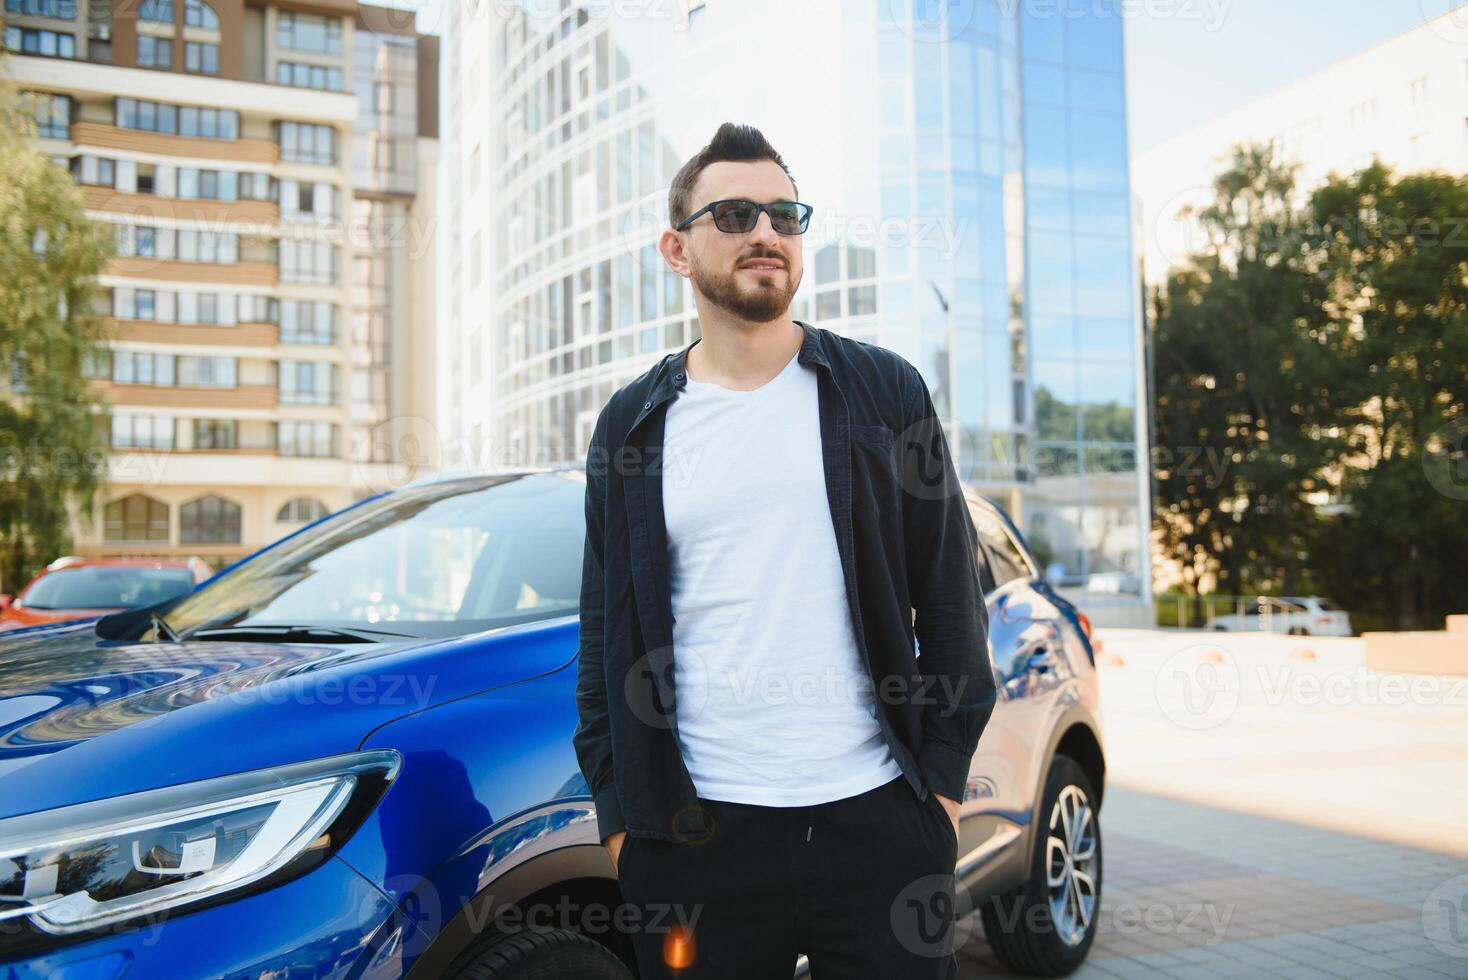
pixel 580 872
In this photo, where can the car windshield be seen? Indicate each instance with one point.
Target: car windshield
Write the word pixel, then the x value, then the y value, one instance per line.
pixel 442 559
pixel 106 587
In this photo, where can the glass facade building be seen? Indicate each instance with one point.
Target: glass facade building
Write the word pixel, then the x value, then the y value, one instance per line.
pixel 968 166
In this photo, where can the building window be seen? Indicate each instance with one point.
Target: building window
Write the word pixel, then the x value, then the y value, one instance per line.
pixel 211 185
pixel 200 14
pixel 308 32
pixel 155 52
pixel 201 57
pixel 27 40
pixel 306 142
pixel 156 11
pixel 206 372
pixel 308 76
pixel 97 171
pixel 214 433
pixel 209 520
pixel 306 322
pixel 1417 91
pixel 311 200
pixel 52 114
pixel 308 383
pixel 161 117
pixel 142 432
pixel 141 368
pixel 305 439
pixel 301 510
pixel 177 245
pixel 136 518
pixel 306 261
pixel 56 9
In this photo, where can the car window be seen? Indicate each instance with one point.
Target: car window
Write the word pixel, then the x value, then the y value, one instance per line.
pixel 986 569
pixel 439 560
pixel 1329 605
pixel 1005 562
pixel 106 587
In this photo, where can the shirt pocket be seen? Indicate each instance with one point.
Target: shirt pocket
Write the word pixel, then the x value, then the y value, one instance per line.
pixel 875 476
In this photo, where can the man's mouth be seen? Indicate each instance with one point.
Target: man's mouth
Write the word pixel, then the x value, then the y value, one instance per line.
pixel 763 265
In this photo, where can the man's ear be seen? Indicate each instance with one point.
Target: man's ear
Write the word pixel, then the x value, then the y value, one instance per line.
pixel 670 243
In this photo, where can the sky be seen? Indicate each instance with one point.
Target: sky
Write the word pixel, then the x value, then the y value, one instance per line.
pixel 1189 61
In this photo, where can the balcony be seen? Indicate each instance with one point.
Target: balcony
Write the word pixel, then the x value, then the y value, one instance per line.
pixel 182 396
pixel 195 334
pixel 167 270
pixel 104 136
pixel 179 209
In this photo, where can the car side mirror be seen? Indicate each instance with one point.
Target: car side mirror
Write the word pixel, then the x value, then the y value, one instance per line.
pixel 5 600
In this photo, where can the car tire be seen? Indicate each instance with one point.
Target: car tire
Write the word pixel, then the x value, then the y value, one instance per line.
pixel 545 954
pixel 1021 925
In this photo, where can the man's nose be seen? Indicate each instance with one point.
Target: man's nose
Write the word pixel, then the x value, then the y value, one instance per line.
pixel 764 231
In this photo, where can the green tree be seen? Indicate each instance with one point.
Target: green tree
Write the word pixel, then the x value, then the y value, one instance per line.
pixel 50 256
pixel 1398 253
pixel 1243 352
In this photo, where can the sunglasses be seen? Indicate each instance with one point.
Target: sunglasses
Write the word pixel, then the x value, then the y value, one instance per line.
pixel 740 217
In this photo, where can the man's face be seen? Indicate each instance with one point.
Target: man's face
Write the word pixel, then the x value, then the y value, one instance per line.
pixel 754 275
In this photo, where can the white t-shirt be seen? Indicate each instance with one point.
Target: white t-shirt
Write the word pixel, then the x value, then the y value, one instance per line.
pixel 774 704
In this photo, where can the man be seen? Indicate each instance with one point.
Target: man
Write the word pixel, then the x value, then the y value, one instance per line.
pixel 772 519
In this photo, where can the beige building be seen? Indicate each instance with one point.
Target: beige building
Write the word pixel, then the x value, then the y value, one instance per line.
pixel 269 169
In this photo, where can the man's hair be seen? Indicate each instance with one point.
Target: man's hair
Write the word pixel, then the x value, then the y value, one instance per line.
pixel 732 142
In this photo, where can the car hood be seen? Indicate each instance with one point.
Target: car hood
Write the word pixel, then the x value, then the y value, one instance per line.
pixel 19 617
pixel 84 718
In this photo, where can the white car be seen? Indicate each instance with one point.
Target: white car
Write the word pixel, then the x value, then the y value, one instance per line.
pixel 1296 615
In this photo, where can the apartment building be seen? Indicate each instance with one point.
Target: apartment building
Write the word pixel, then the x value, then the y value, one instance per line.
pixel 268 168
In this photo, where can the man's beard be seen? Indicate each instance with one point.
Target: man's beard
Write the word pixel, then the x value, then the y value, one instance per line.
pixel 758 302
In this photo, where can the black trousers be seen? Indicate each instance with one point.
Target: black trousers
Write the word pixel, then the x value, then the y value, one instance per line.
pixel 863 886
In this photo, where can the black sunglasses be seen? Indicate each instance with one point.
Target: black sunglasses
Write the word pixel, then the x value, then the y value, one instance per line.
pixel 740 217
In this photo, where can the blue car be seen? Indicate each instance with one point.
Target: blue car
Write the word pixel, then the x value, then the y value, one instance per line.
pixel 349 755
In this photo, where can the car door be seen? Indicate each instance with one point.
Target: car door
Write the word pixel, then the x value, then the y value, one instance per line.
pixel 1030 670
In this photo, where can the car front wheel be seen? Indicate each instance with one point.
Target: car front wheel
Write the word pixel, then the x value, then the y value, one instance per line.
pixel 1045 927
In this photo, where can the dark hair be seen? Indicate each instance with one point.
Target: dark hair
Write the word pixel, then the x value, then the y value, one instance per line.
pixel 732 142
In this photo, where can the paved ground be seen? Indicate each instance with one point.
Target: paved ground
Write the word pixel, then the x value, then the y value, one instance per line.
pixel 1276 810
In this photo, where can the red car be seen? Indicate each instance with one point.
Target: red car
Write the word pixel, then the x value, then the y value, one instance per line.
pixel 79 588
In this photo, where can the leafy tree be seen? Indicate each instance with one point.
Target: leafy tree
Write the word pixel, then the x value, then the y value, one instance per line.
pixel 1398 253
pixel 1243 352
pixel 50 256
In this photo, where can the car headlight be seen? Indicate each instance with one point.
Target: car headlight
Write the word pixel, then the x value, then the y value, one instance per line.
pixel 86 867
